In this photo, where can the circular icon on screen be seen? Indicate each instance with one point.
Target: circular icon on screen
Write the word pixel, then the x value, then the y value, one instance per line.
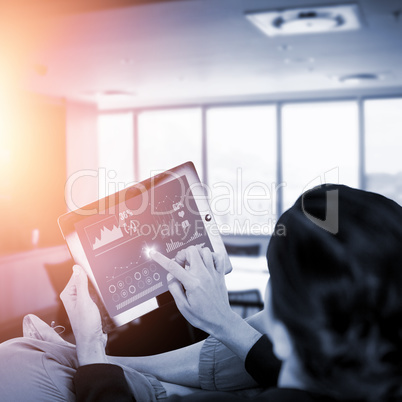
pixel 156 276
pixel 148 280
pixel 131 289
pixel 153 267
pixel 112 288
pixel 137 276
pixel 141 284
pixel 115 297
pixel 129 280
pixel 145 271
pixel 120 284
pixel 124 293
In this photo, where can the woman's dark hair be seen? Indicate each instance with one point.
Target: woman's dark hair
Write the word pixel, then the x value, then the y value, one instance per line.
pixel 336 276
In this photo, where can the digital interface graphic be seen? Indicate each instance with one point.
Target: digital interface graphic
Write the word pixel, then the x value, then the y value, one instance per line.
pixel 117 243
pixel 105 232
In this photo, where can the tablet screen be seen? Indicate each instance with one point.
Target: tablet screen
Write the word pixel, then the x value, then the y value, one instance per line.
pixel 117 242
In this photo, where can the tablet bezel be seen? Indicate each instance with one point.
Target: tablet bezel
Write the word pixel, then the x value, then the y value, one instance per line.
pixel 200 196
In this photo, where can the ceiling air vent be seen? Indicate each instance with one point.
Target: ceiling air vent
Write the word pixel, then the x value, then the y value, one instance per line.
pixel 307 20
pixel 110 93
pixel 360 78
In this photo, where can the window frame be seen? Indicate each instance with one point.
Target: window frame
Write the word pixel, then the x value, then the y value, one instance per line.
pixel 278 104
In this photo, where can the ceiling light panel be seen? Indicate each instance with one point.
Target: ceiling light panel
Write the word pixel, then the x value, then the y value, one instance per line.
pixel 300 21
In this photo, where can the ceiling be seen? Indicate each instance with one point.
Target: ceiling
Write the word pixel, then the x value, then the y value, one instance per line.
pixel 128 54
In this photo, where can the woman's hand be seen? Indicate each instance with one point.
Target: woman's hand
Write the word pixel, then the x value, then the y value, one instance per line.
pixel 85 319
pixel 204 299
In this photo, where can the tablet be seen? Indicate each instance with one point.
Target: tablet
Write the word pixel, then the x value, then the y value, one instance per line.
pixel 111 240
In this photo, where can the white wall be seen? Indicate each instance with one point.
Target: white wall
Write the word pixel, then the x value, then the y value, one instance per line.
pixel 26 287
pixel 82 154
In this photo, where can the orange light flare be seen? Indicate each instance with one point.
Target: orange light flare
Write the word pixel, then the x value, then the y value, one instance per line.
pixel 28 122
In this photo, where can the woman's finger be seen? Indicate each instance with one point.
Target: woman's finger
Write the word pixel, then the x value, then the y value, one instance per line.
pixel 176 290
pixel 69 291
pixel 81 281
pixel 219 263
pixel 173 267
pixel 181 258
pixel 76 288
pixel 206 256
pixel 194 259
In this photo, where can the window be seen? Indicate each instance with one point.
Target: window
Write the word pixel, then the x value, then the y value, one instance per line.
pixel 115 152
pixel 168 138
pixel 319 144
pixel 383 144
pixel 241 154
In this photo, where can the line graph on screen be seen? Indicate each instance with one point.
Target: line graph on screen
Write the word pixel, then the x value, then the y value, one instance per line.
pixel 104 232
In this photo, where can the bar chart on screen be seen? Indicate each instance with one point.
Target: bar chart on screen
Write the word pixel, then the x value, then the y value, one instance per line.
pixel 173 245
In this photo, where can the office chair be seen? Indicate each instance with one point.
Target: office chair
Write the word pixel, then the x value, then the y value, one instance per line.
pixel 246 302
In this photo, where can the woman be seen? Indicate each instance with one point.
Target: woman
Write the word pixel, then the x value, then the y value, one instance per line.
pixel 333 307
pixel 338 295
pixel 334 299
